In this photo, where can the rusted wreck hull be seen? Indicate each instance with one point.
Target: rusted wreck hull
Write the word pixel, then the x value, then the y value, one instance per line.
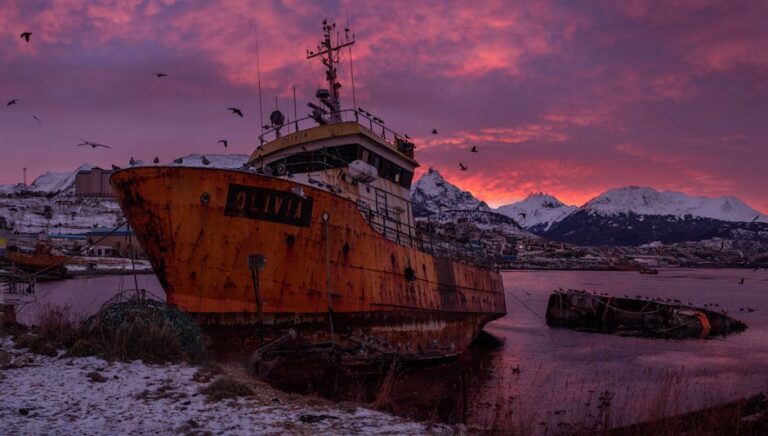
pixel 579 310
pixel 317 275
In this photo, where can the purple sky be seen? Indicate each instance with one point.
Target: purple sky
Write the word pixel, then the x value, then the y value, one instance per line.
pixel 570 97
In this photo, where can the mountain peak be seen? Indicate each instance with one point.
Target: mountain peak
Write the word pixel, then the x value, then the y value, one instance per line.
pixel 537 211
pixel 648 201
pixel 435 194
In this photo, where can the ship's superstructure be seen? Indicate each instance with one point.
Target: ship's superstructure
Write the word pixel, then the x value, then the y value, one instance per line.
pixel 315 233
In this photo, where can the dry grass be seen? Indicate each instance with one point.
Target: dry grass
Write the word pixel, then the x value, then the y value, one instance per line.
pixel 226 387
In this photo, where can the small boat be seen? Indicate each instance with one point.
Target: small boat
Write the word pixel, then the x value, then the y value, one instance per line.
pixel 584 311
pixel 43 258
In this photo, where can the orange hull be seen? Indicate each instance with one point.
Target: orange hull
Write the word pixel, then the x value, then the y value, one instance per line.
pixel 35 261
pixel 199 227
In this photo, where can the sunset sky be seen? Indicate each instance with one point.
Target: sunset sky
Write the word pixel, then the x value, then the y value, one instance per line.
pixel 570 98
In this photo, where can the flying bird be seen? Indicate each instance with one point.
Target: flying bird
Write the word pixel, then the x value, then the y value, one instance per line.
pixel 159 75
pixel 462 166
pixel 474 149
pixel 434 131
pixel 205 160
pixel 756 217
pixel 156 160
pixel 236 111
pixel 26 36
pixel 36 118
pixel 12 102
pixel 223 141
pixel 741 282
pixel 91 144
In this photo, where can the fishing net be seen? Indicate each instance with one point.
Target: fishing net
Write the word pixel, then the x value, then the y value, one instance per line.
pixel 139 325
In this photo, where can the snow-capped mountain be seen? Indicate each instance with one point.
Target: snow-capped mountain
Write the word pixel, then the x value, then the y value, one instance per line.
pixel 432 193
pixel 648 201
pixel 635 215
pixel 537 212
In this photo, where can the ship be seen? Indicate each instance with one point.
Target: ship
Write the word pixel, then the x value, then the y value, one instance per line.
pixel 42 259
pixel 314 235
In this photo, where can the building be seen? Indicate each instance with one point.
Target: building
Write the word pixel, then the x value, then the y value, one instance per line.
pixel 93 183
pixel 120 242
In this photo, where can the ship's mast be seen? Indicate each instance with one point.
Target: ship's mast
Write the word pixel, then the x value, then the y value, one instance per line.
pixel 329 54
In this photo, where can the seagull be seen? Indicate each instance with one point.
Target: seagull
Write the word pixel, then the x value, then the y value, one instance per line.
pixel 132 162
pixel 474 149
pixel 26 36
pixel 159 75
pixel 205 160
pixel 91 144
pixel 156 160
pixel 36 118
pixel 756 217
pixel 178 161
pixel 741 282
pixel 463 168
pixel 12 102
pixel 115 167
pixel 223 141
pixel 236 111
pixel 407 137
pixel 434 131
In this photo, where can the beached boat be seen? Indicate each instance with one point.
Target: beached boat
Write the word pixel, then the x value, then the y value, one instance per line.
pixel 585 311
pixel 43 258
pixel 315 234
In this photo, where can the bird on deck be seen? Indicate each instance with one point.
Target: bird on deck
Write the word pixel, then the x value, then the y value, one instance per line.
pixel 474 149
pixel 205 160
pixel 132 162
pixel 159 75
pixel 115 167
pixel 178 161
pixel 12 102
pixel 236 111
pixel 741 282
pixel 156 160
pixel 434 131
pixel 26 36
pixel 462 166
pixel 223 141
pixel 91 144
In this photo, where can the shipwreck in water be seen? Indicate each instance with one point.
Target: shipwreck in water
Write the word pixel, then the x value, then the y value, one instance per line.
pixel 586 311
pixel 315 235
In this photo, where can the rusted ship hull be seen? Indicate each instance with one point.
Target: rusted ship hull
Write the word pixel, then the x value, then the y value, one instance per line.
pixel 579 310
pixel 203 228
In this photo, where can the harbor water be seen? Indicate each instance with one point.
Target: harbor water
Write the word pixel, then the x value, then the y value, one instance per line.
pixel 527 376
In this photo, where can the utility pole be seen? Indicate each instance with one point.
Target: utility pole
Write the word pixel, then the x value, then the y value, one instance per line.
pixel 25 176
pixel 330 57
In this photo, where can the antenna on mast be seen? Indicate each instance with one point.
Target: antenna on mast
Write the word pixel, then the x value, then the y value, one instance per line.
pixel 351 69
pixel 258 78
pixel 329 55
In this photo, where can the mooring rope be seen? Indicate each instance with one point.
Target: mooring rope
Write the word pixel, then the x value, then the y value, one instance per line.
pixel 524 305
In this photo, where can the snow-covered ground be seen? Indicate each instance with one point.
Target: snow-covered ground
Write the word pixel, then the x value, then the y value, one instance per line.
pixel 56 395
